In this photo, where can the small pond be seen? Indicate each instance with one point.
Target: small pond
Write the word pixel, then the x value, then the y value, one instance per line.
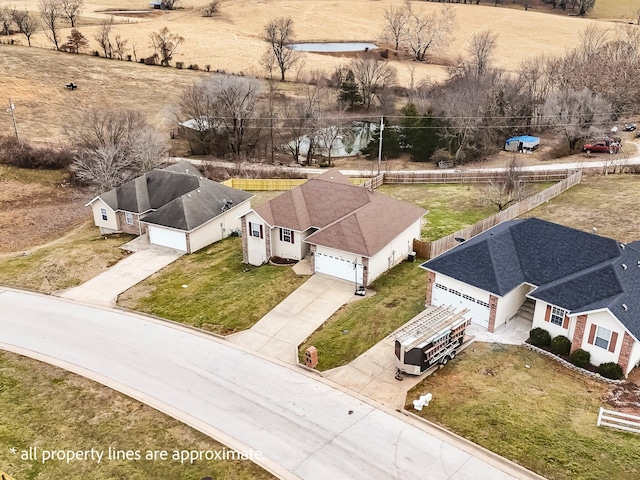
pixel 324 47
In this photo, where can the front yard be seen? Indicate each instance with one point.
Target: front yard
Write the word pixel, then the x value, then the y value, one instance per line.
pixel 529 409
pixel 212 289
pixel 356 327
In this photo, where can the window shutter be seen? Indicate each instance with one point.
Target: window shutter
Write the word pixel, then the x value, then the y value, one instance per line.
pixel 250 229
pixel 565 323
pixel 280 234
pixel 292 242
pixel 612 343
pixel 261 233
pixel 547 315
pixel 592 334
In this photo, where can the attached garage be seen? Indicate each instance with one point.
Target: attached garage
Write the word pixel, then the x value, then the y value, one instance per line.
pixel 167 238
pixel 338 266
pixel 478 309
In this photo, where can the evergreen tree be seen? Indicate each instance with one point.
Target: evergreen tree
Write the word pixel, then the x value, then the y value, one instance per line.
pixel 420 133
pixel 349 92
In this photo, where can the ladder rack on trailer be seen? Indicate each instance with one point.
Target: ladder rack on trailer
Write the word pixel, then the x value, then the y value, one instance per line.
pixel 431 337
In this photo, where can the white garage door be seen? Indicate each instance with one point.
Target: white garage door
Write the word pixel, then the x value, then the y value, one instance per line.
pixel 478 309
pixel 167 238
pixel 338 266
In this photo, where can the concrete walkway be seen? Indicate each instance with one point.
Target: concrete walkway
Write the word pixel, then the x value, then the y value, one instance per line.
pixel 373 373
pixel 280 331
pixel 103 290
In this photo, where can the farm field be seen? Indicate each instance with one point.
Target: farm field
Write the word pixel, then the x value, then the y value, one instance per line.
pixel 34 78
pixel 50 408
pixel 529 409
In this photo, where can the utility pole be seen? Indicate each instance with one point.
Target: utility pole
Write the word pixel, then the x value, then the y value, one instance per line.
pixel 13 116
pixel 380 144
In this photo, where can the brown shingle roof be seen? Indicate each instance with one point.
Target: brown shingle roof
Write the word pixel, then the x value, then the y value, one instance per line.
pixel 349 217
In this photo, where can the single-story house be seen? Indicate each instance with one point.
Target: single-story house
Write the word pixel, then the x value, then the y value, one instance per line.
pixel 350 232
pixel 176 206
pixel 523 143
pixel 583 286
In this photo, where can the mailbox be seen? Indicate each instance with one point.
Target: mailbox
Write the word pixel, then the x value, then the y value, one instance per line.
pixel 311 357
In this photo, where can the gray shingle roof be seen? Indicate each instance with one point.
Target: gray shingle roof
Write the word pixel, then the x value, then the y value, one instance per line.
pixel 198 206
pixel 575 270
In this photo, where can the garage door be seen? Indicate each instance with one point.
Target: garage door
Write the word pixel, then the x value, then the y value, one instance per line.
pixel 167 238
pixel 337 266
pixel 478 309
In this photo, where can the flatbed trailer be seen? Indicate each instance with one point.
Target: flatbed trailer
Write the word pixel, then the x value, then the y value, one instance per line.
pixel 431 337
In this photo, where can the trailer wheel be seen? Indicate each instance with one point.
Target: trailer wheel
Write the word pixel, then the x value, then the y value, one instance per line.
pixel 445 360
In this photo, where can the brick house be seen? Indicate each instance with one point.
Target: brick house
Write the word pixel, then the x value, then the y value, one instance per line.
pixel 350 232
pixel 583 286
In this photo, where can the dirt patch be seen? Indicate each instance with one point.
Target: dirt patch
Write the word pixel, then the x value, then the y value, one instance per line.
pixel 625 398
pixel 32 214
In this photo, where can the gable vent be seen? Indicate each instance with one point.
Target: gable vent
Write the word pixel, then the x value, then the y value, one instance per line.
pixel 624 266
pixel 624 305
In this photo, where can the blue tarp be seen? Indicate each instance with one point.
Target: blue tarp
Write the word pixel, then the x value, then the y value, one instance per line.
pixel 524 139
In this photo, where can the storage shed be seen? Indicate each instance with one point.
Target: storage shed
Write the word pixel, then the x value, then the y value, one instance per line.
pixel 524 143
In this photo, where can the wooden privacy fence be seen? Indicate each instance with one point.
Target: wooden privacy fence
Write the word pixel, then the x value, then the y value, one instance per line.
pixel 375 182
pixel 269 184
pixel 448 242
pixel 472 177
pixel 422 249
pixel 621 421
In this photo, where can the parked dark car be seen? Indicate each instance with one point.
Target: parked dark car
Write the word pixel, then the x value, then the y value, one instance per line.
pixel 603 146
pixel 629 127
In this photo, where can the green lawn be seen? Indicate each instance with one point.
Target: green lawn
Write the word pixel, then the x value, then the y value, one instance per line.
pixel 212 289
pixel 50 408
pixel 356 327
pixel 529 409
pixel 451 207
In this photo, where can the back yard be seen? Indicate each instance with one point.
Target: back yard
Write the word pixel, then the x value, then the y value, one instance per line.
pixel 531 410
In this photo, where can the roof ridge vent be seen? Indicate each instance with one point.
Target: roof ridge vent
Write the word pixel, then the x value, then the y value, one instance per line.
pixel 624 305
pixel 624 266
pixel 198 190
pixel 622 245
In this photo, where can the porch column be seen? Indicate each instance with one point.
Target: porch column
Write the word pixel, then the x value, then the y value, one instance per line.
pixel 493 308
pixel 267 242
pixel 625 352
pixel 431 279
pixel 578 333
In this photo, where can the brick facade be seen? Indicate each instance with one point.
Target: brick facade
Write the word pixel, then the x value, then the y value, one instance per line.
pixel 365 271
pixel 578 334
pixel 431 279
pixel 133 228
pixel 312 259
pixel 245 234
pixel 493 308
pixel 625 352
pixel 267 242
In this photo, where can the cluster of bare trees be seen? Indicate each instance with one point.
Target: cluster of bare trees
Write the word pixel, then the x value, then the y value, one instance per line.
pixel 417 31
pixel 113 147
pixel 53 12
pixel 25 22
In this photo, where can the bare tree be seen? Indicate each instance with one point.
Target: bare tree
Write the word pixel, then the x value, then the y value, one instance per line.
pixel 102 37
pixel 168 4
pixel 396 20
pixel 71 9
pixel 222 110
pixel 584 6
pixel 592 39
pixel 279 34
pixel 480 49
pixel 76 41
pixel 211 8
pixel 576 114
pixel 50 13
pixel 165 44
pixel 506 187
pixel 114 147
pixel 7 17
pixel 119 47
pixel 373 76
pixel 27 23
pixel 428 31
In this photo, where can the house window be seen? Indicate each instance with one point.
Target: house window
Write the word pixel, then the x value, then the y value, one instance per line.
pixel 286 235
pixel 557 316
pixel 255 229
pixel 103 212
pixel 603 337
pixel 129 218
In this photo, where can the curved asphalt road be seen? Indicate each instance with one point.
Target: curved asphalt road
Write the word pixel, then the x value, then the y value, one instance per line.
pixel 304 427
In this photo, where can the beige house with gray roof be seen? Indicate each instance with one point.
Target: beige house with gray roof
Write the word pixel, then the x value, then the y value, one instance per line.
pixel 350 232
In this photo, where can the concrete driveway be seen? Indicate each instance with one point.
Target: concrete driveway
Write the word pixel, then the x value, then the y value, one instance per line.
pixel 103 290
pixel 280 331
pixel 303 427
